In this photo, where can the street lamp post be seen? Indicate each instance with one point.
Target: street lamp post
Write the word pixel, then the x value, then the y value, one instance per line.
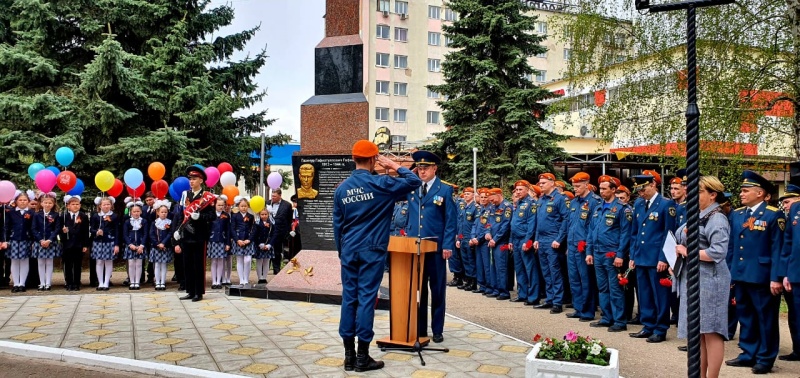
pixel 475 168
pixel 692 170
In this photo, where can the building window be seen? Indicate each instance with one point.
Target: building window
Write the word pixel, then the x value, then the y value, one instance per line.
pixel 401 89
pixel 541 76
pixel 541 27
pixel 382 60
pixel 434 65
pixel 527 77
pixel 401 34
pixel 382 32
pixel 401 7
pixel 434 38
pixel 567 54
pixel 383 5
pixel 450 15
pixel 432 94
pixel 382 114
pixel 434 12
pixel 398 139
pixel 433 117
pixel 381 87
pixel 400 61
pixel 447 41
pixel 400 115
pixel 541 55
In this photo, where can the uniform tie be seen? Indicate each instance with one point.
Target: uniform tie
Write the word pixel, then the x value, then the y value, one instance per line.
pixel 424 190
pixel 647 205
pixel 749 212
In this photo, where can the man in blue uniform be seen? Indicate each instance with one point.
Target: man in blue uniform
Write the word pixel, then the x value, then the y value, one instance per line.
pixel 653 219
pixel 579 217
pixel 467 214
pixel 432 214
pixel 551 229
pixel 399 220
pixel 791 255
pixel 456 261
pixel 754 254
pixel 523 224
pixel 362 207
pixel 677 190
pixel 478 241
pixel 607 249
pixel 497 237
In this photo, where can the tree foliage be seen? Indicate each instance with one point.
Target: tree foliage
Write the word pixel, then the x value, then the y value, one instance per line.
pixel 490 102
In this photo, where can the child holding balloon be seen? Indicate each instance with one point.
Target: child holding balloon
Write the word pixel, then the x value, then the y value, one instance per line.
pixel 19 221
pixel 160 249
pixel 219 243
pixel 242 236
pixel 46 225
pixel 104 229
pixel 263 250
pixel 134 232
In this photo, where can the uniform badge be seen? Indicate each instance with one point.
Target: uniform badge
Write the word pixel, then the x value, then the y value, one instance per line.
pixel 533 209
pixel 614 209
pixel 462 205
pixel 750 224
pixel 508 212
pixel 782 223
pixel 403 212
pixel 567 201
pixel 585 206
pixel 483 220
pixel 628 214
pixel 469 217
pixel 609 222
pixel 794 223
pixel 521 214
pixel 584 215
pixel 498 219
pixel 549 209
pixel 438 200
pixel 672 211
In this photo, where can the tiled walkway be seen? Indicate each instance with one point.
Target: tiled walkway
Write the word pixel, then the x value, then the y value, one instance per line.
pixel 240 335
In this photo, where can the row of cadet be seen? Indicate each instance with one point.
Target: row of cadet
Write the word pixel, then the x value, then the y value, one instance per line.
pixel 36 229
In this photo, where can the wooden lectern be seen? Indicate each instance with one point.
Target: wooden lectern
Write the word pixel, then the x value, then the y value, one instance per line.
pixel 404 283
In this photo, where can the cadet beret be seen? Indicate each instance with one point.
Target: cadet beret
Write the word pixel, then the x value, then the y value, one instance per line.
pixel 561 184
pixel 624 189
pixel 496 191
pixel 547 176
pixel 751 179
pixel 483 191
pixel 652 173
pixel 522 183
pixel 536 189
pixel 425 158
pixel 791 192
pixel 469 189
pixel 617 181
pixel 364 149
pixel 569 194
pixel 612 180
pixel 196 171
pixel 580 176
pixel 681 177
pixel 592 188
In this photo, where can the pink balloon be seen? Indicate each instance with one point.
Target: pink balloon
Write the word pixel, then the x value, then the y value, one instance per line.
pixel 212 176
pixel 7 190
pixel 45 180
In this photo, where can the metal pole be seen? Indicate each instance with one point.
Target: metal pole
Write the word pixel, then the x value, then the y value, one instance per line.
pixel 261 188
pixel 475 168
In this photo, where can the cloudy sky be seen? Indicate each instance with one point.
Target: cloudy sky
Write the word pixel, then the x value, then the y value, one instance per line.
pixel 289 31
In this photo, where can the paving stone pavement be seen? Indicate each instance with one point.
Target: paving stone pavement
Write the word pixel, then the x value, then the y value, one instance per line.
pixel 245 336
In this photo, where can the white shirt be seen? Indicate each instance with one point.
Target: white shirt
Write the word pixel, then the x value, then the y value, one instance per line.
pixel 753 208
pixel 427 185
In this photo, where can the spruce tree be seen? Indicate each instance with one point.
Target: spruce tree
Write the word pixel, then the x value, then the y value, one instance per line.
pixel 490 102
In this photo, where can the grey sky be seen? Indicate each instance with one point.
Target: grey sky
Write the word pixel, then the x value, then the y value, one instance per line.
pixel 289 30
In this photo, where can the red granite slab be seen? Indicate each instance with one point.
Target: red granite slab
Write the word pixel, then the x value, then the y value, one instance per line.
pixel 326 278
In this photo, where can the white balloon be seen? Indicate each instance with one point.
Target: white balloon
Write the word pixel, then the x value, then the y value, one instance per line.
pixel 227 178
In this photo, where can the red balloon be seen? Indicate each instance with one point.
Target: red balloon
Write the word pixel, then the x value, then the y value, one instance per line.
pixel 66 180
pixel 224 167
pixel 138 193
pixel 115 190
pixel 160 188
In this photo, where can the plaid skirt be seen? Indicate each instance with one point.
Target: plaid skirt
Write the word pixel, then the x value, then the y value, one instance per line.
pixel 18 249
pixel 242 251
pixel 159 256
pixel 103 251
pixel 262 253
pixel 216 251
pixel 40 252
pixel 132 255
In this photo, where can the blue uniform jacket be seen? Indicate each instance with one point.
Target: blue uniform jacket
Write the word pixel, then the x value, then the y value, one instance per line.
pixel 362 209
pixel 551 216
pixel 467 215
pixel 440 215
pixel 649 229
pixel 220 229
pixel 138 237
pixel 610 230
pixel 46 227
pixel 500 223
pixel 399 217
pixel 156 236
pixel 18 225
pixel 755 245
pixel 681 215
pixel 262 230
pixel 580 214
pixel 790 257
pixel 479 228
pixel 109 224
pixel 242 227
pixel 523 221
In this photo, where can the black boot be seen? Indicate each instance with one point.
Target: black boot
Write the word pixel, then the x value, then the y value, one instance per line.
pixel 456 280
pixel 464 282
pixel 471 284
pixel 363 361
pixel 349 355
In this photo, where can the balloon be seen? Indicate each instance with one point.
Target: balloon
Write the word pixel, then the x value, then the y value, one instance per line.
pixel 33 169
pixel 274 180
pixel 53 169
pixel 227 179
pixel 64 156
pixel 175 196
pixel 116 189
pixel 181 185
pixel 66 180
pixel 156 171
pixel 224 167
pixel 231 192
pixel 104 180
pixel 45 180
pixel 77 189
pixel 212 174
pixel 7 190
pixel 133 178
pixel 257 203
pixel 160 189
pixel 138 192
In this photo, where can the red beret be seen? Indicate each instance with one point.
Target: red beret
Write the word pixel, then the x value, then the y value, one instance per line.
pixel 580 176
pixel 547 176
pixel 623 188
pixel 676 180
pixel 569 194
pixel 536 189
pixel 656 176
pixel 469 190
pixel 483 191
pixel 561 184
pixel 522 183
pixel 496 191
pixel 592 188
pixel 364 149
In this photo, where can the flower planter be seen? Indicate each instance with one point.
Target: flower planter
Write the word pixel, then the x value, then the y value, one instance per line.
pixel 543 368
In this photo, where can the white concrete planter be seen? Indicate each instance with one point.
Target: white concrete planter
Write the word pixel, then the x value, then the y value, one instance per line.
pixel 542 368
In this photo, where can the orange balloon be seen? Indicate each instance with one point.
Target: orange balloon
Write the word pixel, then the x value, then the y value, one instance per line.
pixel 156 171
pixel 230 191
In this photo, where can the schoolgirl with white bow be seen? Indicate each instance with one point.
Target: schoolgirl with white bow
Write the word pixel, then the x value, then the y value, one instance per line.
pixel 104 229
pixel 134 233
pixel 219 242
pixel 263 250
pixel 242 237
pixel 159 241
pixel 19 221
pixel 46 225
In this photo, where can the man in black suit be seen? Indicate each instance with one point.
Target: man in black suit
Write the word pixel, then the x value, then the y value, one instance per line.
pixel 281 215
pixel 75 241
pixel 193 224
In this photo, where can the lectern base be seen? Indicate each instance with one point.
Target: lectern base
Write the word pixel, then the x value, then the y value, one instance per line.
pixel 389 343
pixel 414 347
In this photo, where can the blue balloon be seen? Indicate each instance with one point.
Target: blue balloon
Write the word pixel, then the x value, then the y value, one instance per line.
pixel 54 170
pixel 133 178
pixel 175 196
pixel 181 184
pixel 64 156
pixel 34 168
pixel 77 189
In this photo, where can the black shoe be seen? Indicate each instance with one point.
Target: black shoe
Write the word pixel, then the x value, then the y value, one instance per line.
pixel 492 295
pixel 586 319
pixel 455 282
pixel 181 288
pixel 683 348
pixel 740 363
pixel 635 321
pixel 262 281
pixel 761 369
pixel 349 360
pixel 126 282
pixel 568 305
pixel 600 324
pixel 470 286
pixel 99 288
pixel 656 338
pixel 437 338
pixel 574 315
pixel 503 297
pixel 187 297
pixel 794 356
pixel 641 334
pixel 616 328
pixel 535 303
pixel 197 298
pixel 516 299
pixel 543 306
pixel 174 278
pixel 477 290
pixel 363 361
pixel 556 309
pixel 673 321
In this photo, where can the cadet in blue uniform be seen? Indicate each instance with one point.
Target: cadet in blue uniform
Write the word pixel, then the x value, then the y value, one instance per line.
pixel 523 225
pixel 497 238
pixel 399 218
pixel 754 253
pixel 580 210
pixel 551 230
pixel 455 262
pixel 653 219
pixel 787 200
pixel 362 207
pixel 677 190
pixel 607 248
pixel 478 241
pixel 467 214
pixel 432 213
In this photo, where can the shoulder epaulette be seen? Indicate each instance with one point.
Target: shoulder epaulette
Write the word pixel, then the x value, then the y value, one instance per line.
pixel 773 208
pixel 741 208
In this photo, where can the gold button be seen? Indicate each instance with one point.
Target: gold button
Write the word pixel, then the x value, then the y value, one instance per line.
pixel 741 259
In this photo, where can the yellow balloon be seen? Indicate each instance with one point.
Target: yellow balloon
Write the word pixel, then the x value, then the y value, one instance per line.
pixel 104 180
pixel 257 204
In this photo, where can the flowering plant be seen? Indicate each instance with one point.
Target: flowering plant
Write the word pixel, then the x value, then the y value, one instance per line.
pixel 573 348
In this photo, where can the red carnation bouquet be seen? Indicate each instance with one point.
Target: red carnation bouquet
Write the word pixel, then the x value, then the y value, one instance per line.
pixel 582 246
pixel 665 280
pixel 504 247
pixel 529 244
pixel 402 232
pixel 611 255
pixel 623 278
pixel 460 236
